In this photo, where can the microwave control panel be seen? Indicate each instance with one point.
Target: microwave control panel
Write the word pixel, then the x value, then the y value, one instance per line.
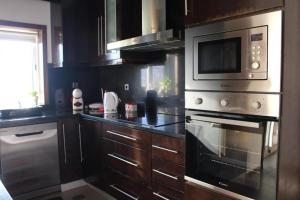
pixel 258 51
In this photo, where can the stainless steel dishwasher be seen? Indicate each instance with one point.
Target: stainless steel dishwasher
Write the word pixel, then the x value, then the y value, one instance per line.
pixel 29 160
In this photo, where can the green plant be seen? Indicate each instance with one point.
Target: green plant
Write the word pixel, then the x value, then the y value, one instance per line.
pixel 34 93
pixel 165 84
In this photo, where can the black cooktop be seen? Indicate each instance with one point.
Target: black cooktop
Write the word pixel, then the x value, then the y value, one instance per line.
pixel 150 120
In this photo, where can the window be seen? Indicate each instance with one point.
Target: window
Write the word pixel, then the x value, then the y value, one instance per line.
pixel 22 66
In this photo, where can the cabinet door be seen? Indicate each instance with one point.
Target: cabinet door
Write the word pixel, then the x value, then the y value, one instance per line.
pixel 92 151
pixel 199 11
pixel 75 33
pixel 70 149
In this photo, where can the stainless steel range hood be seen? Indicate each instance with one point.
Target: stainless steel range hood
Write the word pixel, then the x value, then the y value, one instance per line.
pixel 161 29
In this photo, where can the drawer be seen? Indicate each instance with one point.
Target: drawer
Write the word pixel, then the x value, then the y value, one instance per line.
pixel 160 192
pixel 122 188
pixel 168 174
pixel 167 148
pixel 127 135
pixel 131 162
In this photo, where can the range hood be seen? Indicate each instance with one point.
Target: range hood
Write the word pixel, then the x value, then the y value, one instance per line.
pixel 161 28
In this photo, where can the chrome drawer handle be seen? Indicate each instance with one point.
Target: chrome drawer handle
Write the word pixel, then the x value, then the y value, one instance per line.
pixel 160 196
pixel 164 149
pixel 126 194
pixel 64 138
pixel 123 136
pixel 165 174
pixel 123 160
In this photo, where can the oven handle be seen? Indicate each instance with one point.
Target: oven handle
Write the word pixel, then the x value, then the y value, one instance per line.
pixel 216 122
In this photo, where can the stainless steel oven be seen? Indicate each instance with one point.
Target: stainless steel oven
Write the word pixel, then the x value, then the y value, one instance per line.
pixel 233 154
pixel 237 55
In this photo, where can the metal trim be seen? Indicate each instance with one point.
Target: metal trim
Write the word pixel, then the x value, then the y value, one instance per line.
pixel 80 143
pixel 160 196
pixel 123 160
pixel 226 121
pixel 123 136
pixel 164 149
pixel 128 195
pixel 217 189
pixel 64 138
pixel 165 174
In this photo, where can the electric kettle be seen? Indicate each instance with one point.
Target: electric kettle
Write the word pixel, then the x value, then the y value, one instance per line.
pixel 110 102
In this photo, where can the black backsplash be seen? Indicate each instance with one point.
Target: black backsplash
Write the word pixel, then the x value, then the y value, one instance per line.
pixel 167 74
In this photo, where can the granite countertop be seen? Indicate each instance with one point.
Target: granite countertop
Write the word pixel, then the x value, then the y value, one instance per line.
pixel 170 125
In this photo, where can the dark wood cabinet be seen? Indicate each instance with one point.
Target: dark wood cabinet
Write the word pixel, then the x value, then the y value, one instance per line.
pixel 201 11
pixel 167 167
pixel 111 21
pixel 93 164
pixel 75 33
pixel 70 149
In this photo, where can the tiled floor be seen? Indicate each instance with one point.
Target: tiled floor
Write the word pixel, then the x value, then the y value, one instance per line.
pixel 81 193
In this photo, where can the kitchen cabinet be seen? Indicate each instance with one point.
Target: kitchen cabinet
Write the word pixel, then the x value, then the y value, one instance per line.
pixel 75 33
pixel 93 168
pixel 167 167
pixel 201 11
pixel 110 21
pixel 127 152
pixel 70 149
pixel 195 192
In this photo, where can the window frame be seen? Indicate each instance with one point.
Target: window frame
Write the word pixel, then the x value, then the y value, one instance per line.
pixel 43 30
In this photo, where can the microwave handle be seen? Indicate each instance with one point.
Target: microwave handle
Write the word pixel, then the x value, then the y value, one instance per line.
pixel 215 122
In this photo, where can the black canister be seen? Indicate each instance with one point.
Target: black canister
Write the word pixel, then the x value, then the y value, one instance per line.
pixel 151 102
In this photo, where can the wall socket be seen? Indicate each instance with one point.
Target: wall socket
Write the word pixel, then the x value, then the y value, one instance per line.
pixel 126 87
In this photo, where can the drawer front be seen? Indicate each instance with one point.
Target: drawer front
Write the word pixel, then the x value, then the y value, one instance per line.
pixel 127 136
pixel 123 188
pixel 167 148
pixel 160 192
pixel 131 162
pixel 168 174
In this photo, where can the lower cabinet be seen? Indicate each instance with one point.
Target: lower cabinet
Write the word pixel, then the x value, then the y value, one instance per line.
pixel 93 164
pixel 70 149
pixel 126 162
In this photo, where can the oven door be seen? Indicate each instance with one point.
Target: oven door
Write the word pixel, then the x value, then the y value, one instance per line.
pixel 227 153
pixel 231 55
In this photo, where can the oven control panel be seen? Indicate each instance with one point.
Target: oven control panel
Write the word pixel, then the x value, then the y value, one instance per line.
pixel 240 103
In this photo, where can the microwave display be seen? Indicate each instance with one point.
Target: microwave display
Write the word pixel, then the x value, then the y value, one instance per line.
pixel 220 56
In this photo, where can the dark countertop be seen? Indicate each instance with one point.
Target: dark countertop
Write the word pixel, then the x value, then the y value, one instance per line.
pixel 172 129
pixel 165 123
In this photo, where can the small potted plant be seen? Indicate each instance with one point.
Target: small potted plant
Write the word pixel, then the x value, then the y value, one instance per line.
pixel 35 97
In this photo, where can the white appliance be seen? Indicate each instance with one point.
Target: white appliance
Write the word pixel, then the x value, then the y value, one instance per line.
pixel 77 100
pixel 110 102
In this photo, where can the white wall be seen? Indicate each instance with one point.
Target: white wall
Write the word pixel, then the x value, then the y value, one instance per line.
pixel 28 11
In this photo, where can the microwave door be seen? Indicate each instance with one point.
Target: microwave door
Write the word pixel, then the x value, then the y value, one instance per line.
pixel 221 56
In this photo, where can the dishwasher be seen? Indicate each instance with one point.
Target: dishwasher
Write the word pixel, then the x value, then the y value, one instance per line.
pixel 29 160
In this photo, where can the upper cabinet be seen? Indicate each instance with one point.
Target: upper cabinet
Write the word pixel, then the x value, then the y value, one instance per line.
pixel 110 21
pixel 75 32
pixel 201 11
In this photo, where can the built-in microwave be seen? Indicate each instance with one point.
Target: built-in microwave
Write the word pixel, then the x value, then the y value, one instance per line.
pixel 237 55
